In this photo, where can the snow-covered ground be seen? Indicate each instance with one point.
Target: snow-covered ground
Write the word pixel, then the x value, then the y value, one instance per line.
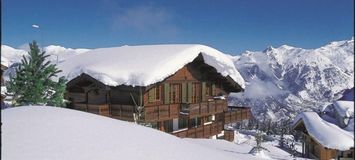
pixel 40 132
pixel 242 145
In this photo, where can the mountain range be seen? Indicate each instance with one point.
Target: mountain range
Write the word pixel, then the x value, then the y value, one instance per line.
pixel 284 81
pixel 280 82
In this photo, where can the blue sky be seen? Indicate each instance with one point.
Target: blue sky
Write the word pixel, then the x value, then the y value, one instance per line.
pixel 231 26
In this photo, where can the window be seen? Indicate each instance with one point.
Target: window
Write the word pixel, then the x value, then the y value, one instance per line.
pixel 168 125
pixel 183 123
pixel 196 90
pixel 157 93
pixel 208 119
pixel 195 122
pixel 208 91
pixel 154 94
pixel 175 93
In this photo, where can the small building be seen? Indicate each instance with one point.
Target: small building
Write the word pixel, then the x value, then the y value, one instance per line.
pixel 329 135
pixel 179 89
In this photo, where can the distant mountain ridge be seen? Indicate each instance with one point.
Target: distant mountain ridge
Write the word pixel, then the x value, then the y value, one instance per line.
pixel 286 80
pixel 10 55
pixel 280 81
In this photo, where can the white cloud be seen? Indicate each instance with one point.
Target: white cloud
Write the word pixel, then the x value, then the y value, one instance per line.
pixel 145 19
pixel 262 89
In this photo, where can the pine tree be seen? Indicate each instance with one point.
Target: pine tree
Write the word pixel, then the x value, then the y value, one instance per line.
pixel 33 82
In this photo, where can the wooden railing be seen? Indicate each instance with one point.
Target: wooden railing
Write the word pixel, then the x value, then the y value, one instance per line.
pixel 122 112
pixel 204 108
pixel 203 131
pixel 161 112
pixel 102 109
pixel 237 115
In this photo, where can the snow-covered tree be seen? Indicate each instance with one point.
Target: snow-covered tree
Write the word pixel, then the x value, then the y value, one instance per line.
pixel 259 139
pixel 138 108
pixel 33 82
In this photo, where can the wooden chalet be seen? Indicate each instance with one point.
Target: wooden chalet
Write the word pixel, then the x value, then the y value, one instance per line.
pixel 192 102
pixel 324 143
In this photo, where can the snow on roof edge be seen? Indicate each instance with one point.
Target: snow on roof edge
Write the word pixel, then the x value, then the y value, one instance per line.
pixel 178 56
pixel 324 132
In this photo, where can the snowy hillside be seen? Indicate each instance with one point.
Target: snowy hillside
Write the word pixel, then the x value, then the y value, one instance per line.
pixel 40 132
pixel 285 80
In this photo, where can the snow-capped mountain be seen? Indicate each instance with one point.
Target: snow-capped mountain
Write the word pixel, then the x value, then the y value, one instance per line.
pixel 280 81
pixel 56 53
pixel 286 80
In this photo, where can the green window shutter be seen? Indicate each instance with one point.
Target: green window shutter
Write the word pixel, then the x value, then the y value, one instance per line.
pixel 203 95
pixel 166 93
pixel 151 95
pixel 183 93
pixel 189 92
pixel 213 89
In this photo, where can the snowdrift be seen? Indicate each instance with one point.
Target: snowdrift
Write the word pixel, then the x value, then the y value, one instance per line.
pixel 41 133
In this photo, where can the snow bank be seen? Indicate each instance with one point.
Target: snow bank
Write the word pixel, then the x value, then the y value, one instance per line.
pixel 37 132
pixel 241 151
pixel 324 132
pixel 144 65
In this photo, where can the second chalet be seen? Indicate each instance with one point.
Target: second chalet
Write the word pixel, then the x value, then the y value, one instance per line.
pixel 179 89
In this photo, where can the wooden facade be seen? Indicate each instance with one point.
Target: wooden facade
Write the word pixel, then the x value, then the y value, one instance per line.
pixel 186 104
pixel 313 149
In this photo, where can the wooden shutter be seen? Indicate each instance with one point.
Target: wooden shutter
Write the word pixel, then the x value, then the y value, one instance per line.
pixel 166 93
pixel 213 89
pixel 183 93
pixel 203 95
pixel 189 92
pixel 151 95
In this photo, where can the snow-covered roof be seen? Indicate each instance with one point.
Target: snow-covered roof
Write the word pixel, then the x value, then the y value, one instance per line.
pixel 344 108
pixel 144 65
pixel 40 132
pixel 327 134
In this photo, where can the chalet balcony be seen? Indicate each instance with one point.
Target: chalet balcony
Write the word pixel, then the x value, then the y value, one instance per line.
pixel 203 131
pixel 102 109
pixel 237 115
pixel 161 112
pixel 203 108
pixel 122 112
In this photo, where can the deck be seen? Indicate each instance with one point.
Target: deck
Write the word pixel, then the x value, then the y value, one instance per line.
pixel 203 131
pixel 203 108
pixel 237 115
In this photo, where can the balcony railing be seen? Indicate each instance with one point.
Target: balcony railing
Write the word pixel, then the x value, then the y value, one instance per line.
pixel 203 131
pixel 122 112
pixel 161 112
pixel 102 109
pixel 237 115
pixel 203 108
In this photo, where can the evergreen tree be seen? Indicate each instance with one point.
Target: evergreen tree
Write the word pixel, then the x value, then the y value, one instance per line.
pixel 33 82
